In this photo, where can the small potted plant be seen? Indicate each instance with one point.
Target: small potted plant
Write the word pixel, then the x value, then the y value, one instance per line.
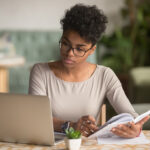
pixel 73 139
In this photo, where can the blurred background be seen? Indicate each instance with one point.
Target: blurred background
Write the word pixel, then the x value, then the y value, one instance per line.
pixel 30 31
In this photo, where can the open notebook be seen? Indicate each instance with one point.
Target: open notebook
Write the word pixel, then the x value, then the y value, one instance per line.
pixel 105 130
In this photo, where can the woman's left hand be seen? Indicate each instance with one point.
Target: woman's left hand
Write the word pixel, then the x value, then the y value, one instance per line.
pixel 131 130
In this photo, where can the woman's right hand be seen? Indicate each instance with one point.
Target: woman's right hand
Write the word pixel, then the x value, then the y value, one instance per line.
pixel 86 125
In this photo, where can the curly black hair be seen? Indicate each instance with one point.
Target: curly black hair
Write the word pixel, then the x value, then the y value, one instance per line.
pixel 88 21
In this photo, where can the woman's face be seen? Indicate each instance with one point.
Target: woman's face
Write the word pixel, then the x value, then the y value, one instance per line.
pixel 74 49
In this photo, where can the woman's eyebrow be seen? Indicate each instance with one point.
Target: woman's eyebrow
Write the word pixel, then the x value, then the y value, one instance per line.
pixel 77 44
pixel 66 39
pixel 81 45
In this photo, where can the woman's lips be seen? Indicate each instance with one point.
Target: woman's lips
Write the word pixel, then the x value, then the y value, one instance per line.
pixel 68 61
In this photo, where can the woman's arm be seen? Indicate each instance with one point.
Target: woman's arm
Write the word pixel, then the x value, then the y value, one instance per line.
pixel 57 124
pixel 37 81
pixel 37 87
pixel 121 104
pixel 116 94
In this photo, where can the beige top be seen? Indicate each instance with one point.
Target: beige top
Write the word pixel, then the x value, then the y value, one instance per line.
pixel 72 100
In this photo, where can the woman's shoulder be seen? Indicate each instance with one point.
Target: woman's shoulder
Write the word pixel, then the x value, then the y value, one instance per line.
pixel 104 69
pixel 45 67
pixel 53 65
pixel 40 66
pixel 106 72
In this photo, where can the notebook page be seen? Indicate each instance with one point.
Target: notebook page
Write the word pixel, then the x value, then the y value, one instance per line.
pixel 118 140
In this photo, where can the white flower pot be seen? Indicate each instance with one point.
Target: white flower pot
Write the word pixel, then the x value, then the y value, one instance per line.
pixel 73 144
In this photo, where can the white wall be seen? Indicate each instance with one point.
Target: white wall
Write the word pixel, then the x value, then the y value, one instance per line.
pixel 46 14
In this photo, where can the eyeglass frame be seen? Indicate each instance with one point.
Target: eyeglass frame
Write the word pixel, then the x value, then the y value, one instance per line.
pixel 85 51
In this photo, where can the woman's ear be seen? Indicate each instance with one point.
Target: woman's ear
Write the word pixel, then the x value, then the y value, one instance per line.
pixel 92 50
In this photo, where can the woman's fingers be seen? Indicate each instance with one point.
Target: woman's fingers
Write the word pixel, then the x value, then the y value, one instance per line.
pixel 144 120
pixel 85 131
pixel 87 125
pixel 135 127
pixel 92 127
pixel 90 123
pixel 89 128
pixel 86 134
pixel 89 119
pixel 129 130
pixel 124 130
pixel 120 133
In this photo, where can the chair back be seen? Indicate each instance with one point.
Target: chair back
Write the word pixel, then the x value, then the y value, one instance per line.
pixel 102 115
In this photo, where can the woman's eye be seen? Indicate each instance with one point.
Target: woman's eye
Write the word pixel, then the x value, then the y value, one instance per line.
pixel 79 49
pixel 64 43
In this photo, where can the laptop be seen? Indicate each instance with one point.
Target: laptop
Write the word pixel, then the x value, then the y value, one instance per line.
pixel 27 119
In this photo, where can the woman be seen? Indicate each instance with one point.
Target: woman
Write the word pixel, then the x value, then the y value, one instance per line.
pixel 76 87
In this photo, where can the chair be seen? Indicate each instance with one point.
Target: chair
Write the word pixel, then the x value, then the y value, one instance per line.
pixel 102 115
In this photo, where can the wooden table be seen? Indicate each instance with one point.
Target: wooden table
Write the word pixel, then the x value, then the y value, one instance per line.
pixel 5 64
pixel 86 145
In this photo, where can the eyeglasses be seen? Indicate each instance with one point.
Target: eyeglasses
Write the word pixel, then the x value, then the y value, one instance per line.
pixel 64 46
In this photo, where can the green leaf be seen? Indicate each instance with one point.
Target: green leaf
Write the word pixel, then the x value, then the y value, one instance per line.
pixel 66 131
pixel 72 134
pixel 71 129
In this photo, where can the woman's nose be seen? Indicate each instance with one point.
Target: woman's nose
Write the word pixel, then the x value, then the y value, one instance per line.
pixel 70 52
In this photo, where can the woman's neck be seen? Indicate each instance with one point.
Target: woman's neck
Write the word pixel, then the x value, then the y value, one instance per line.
pixel 74 74
pixel 77 74
pixel 75 70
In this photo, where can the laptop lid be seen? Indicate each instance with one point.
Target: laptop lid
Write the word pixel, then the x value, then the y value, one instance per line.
pixel 26 119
